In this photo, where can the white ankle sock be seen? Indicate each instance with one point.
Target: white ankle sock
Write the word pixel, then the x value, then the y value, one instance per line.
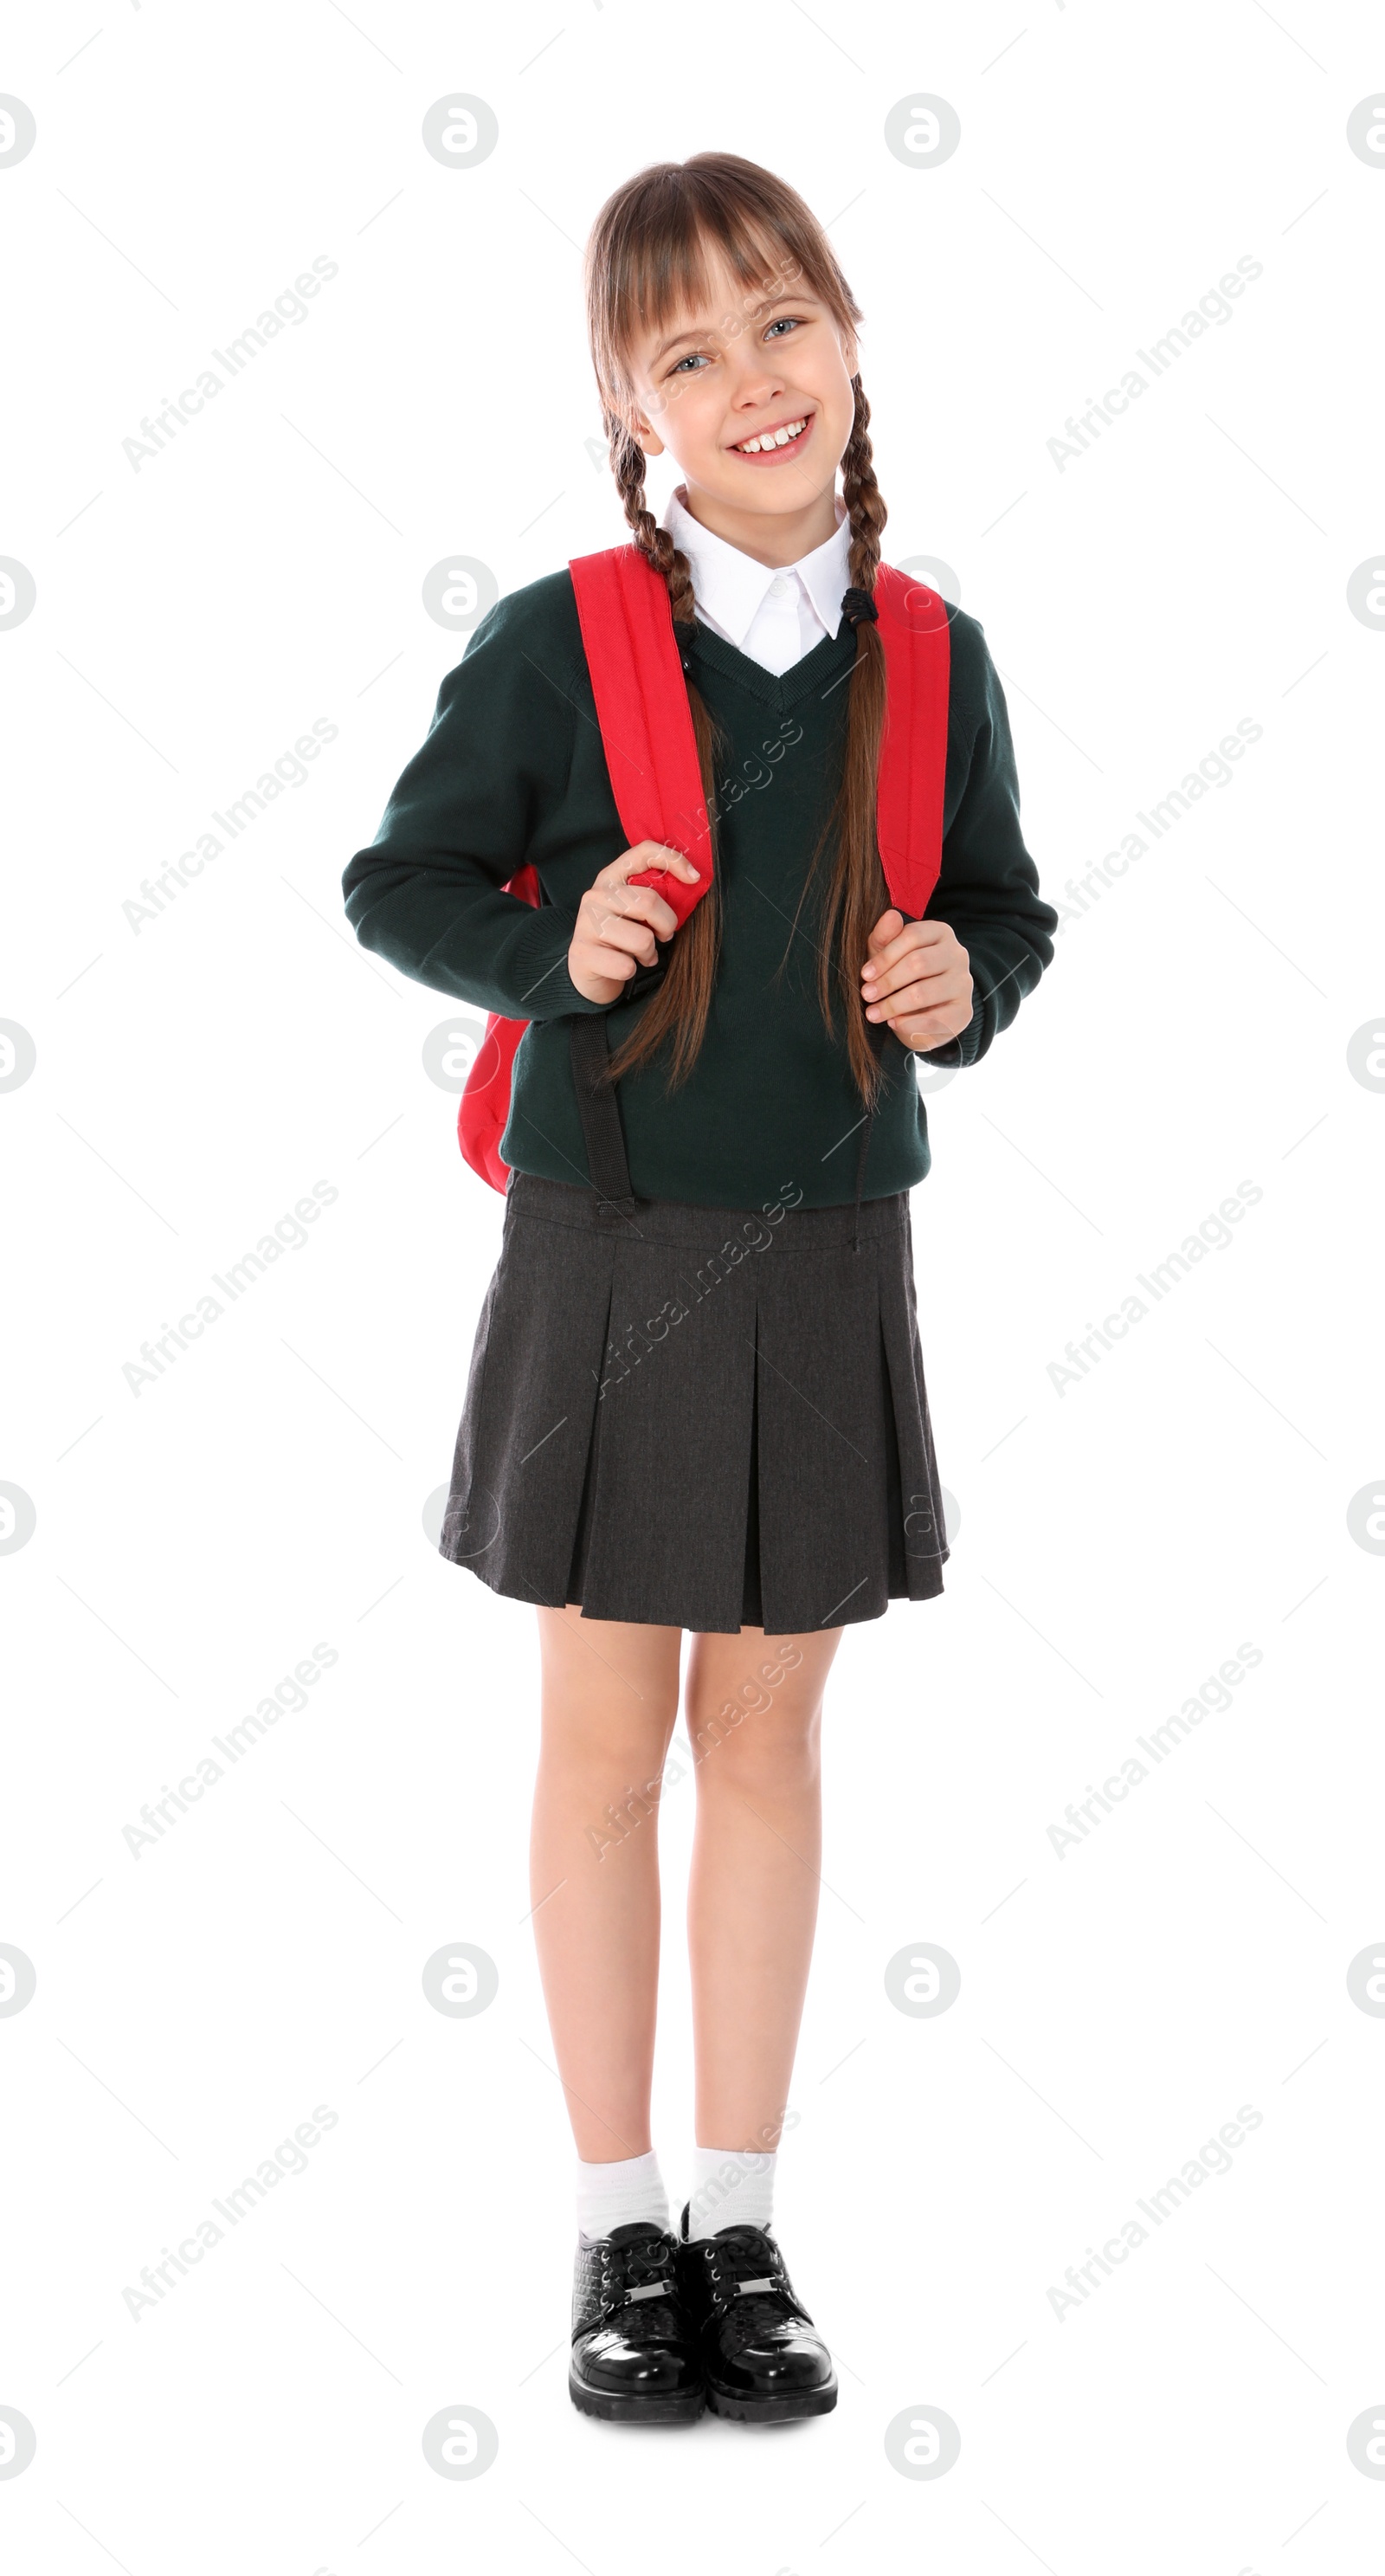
pixel 615 2195
pixel 730 2188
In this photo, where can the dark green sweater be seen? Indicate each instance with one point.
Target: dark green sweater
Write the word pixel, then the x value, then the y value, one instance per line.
pixel 513 769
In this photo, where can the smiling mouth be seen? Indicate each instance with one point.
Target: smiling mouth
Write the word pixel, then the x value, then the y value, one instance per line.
pixel 767 443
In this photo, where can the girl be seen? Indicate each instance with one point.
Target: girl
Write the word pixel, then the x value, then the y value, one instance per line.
pixel 696 1396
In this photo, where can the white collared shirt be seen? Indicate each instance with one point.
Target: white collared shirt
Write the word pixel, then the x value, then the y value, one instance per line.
pixel 773 616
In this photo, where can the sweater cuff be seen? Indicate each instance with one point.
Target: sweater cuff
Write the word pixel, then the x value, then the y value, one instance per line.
pixel 552 994
pixel 538 968
pixel 965 1047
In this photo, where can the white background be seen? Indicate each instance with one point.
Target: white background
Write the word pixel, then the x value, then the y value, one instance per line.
pixel 1117 1541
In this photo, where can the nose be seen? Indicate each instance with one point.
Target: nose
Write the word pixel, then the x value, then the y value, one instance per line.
pixel 756 377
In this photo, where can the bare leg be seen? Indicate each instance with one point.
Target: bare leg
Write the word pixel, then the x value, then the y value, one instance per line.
pixel 610 1697
pixel 753 1891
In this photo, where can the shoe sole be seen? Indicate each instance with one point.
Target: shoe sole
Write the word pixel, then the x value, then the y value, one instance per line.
pixel 772 2410
pixel 611 2409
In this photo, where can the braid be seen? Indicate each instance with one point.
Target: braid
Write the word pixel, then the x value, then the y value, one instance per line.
pixel 861 493
pixel 856 894
pixel 678 1008
pixel 654 542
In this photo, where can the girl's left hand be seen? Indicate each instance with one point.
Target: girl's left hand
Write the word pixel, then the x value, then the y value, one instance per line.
pixel 917 979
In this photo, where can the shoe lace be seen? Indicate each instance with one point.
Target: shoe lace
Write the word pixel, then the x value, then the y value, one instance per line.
pixel 640 2269
pixel 746 2271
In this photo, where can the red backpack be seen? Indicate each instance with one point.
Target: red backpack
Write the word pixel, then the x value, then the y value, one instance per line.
pixel 647 735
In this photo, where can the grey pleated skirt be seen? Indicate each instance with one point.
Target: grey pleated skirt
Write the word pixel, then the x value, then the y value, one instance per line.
pixel 706 1418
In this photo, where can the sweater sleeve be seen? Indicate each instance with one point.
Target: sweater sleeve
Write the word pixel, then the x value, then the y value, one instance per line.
pixel 427 894
pixel 988 889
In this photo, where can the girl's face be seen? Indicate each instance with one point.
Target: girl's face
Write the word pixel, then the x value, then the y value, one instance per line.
pixel 752 363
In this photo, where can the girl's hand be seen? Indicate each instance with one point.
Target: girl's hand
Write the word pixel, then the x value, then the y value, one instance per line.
pixel 917 980
pixel 618 924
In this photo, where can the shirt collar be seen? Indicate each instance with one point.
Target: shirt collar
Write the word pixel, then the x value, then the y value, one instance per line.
pixel 732 586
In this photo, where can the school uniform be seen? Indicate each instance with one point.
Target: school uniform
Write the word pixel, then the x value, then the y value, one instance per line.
pixel 696 1394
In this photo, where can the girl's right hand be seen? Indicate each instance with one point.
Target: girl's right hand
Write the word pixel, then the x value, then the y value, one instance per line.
pixel 618 923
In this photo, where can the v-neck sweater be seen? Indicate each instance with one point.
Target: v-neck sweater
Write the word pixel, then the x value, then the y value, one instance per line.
pixel 512 769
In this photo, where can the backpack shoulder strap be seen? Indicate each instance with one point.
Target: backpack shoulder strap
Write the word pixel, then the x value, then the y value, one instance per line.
pixel 642 707
pixel 913 628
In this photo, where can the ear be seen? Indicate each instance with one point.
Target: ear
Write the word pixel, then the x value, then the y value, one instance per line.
pixel 648 438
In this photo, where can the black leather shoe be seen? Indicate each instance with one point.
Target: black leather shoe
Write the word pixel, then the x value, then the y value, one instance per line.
pixel 634 2348
pixel 761 2361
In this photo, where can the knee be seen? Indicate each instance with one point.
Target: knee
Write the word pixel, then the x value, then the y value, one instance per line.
pixel 765 1752
pixel 621 1753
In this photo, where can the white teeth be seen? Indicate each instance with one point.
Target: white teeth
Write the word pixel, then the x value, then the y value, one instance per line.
pixel 772 438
